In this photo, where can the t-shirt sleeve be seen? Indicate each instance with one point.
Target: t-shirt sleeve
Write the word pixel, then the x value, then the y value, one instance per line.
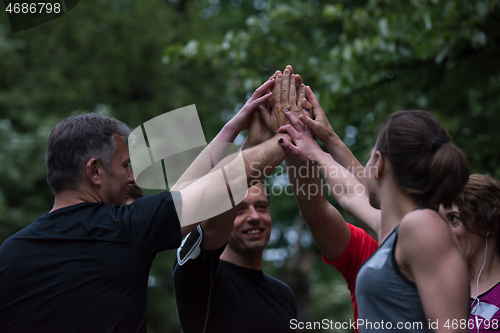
pixel 194 273
pixel 152 223
pixel 361 247
pixel 290 297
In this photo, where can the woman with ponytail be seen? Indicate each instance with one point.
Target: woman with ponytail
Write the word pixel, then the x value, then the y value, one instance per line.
pixel 417 280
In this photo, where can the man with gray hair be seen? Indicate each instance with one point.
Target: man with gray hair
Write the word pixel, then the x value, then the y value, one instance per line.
pixel 84 266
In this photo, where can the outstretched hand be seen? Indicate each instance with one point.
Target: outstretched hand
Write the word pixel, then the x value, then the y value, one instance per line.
pixel 318 123
pixel 258 131
pixel 288 93
pixel 241 120
pixel 306 147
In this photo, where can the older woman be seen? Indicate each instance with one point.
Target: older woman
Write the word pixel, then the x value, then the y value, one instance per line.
pixel 475 220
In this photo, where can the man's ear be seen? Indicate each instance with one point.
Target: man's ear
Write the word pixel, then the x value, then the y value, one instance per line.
pixel 379 164
pixel 93 171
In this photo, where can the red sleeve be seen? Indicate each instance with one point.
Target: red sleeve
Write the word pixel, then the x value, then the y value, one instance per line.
pixel 361 247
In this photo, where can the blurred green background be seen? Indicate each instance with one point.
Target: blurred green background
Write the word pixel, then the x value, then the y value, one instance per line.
pixel 135 60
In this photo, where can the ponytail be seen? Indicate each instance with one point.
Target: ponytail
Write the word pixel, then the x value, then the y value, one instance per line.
pixel 425 163
pixel 449 172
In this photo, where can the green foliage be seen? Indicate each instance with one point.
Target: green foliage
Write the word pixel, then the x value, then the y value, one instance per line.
pixel 366 59
pixel 135 60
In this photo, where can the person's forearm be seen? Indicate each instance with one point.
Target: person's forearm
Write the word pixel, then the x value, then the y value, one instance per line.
pixel 209 196
pixel 259 162
pixel 208 158
pixel 348 191
pixel 307 189
pixel 344 156
pixel 218 228
pixel 226 134
pixel 246 144
pixel 327 226
pixel 262 159
pixel 336 176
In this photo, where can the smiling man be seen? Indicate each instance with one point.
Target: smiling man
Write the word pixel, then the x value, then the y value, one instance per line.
pixel 221 288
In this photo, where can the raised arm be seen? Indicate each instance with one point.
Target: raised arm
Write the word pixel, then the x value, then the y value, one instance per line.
pixel 259 162
pixel 326 224
pixel 239 171
pixel 341 154
pixel 349 192
pixel 322 128
pixel 218 148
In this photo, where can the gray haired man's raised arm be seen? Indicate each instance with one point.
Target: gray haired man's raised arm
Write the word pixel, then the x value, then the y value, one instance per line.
pixel 226 185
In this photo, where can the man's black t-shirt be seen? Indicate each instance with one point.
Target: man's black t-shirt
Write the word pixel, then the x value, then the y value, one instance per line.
pixel 84 268
pixel 215 296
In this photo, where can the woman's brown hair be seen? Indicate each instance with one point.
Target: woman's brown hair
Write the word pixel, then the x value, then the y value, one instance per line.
pixel 426 164
pixel 479 205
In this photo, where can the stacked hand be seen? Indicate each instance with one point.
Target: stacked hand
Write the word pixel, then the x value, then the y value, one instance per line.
pixel 306 147
pixel 289 96
pixel 241 120
pixel 318 123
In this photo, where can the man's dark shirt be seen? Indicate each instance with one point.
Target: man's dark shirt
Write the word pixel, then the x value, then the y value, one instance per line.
pixel 85 268
pixel 215 296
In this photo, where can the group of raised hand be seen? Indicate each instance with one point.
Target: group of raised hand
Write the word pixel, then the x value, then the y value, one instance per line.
pixel 284 104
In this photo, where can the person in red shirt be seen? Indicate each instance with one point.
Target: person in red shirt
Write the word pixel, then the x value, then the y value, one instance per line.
pixel 361 247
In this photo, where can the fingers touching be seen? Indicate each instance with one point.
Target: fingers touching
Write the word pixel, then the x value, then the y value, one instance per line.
pixel 302 95
pixel 316 107
pixel 292 95
pixel 265 88
pixel 285 86
pixel 252 105
pixel 306 116
pixel 272 100
pixel 294 121
pixel 277 89
pixel 286 92
pixel 264 113
pixel 307 105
